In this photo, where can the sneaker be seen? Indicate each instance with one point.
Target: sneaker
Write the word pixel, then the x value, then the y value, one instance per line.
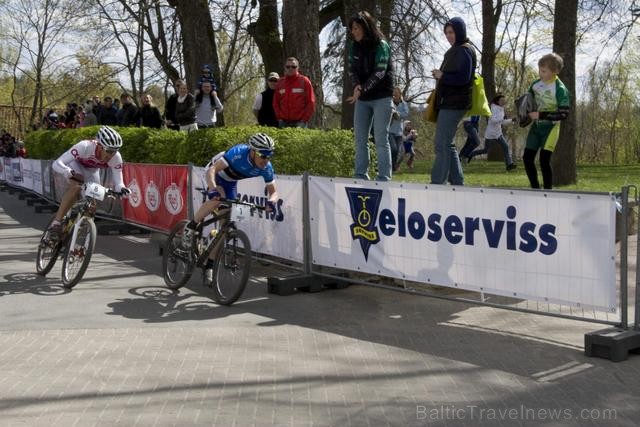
pixel 511 167
pixel 55 231
pixel 208 276
pixel 187 237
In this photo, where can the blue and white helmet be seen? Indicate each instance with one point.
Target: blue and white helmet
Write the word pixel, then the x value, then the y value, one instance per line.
pixel 262 143
pixel 109 138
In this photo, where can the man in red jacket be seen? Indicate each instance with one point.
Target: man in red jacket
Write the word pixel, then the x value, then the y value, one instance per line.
pixel 294 101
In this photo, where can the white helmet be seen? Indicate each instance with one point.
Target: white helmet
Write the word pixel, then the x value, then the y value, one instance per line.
pixel 262 143
pixel 109 138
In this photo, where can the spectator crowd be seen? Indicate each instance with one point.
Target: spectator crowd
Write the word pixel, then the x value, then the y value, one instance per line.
pixel 380 113
pixel 10 146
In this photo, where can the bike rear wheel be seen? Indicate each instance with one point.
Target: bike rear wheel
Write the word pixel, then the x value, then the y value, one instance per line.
pixel 232 268
pixel 48 250
pixel 78 256
pixel 177 262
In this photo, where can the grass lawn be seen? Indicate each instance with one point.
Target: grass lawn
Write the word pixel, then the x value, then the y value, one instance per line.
pixel 598 178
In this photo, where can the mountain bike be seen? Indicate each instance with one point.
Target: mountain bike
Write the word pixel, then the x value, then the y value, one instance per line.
pixel 228 246
pixel 78 238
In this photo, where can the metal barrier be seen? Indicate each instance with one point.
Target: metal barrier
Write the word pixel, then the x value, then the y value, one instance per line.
pixel 613 343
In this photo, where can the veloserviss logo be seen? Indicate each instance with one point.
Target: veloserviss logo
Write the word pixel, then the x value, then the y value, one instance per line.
pixel 364 205
pixel 508 233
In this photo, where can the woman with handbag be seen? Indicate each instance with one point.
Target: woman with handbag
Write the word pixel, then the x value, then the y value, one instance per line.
pixel 453 100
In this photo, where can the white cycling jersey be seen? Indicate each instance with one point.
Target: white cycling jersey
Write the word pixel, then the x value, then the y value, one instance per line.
pixel 81 158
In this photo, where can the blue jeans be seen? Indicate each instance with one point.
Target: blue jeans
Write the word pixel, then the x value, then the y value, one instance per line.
pixel 447 163
pixel 487 145
pixel 395 141
pixel 473 140
pixel 376 112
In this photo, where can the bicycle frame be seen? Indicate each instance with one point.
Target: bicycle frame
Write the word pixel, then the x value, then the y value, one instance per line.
pixel 224 216
pixel 212 246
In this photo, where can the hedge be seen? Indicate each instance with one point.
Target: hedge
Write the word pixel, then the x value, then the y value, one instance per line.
pixel 321 153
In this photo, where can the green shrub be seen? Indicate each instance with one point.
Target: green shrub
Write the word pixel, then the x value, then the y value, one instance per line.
pixel 323 153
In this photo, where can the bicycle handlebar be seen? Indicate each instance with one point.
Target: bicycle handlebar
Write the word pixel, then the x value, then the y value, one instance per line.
pixel 240 202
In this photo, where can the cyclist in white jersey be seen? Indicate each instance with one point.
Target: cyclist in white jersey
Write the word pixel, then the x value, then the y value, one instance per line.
pixel 83 162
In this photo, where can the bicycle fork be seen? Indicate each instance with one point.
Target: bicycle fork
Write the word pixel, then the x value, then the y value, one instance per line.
pixel 74 236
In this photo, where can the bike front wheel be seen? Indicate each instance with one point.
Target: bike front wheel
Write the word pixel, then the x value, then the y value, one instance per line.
pixel 78 255
pixel 177 261
pixel 232 268
pixel 48 250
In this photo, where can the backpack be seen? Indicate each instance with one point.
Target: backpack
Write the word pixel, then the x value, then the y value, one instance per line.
pixel 525 104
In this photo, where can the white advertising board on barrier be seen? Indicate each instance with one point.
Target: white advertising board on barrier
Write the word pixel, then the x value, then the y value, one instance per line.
pixel 278 234
pixel 13 175
pixel 36 173
pixel 30 170
pixel 47 189
pixel 545 246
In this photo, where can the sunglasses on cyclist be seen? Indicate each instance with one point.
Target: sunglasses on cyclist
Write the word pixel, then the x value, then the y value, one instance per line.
pixel 265 156
pixel 110 151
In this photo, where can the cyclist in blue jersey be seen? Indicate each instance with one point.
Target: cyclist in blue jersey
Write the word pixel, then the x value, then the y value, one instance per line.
pixel 225 170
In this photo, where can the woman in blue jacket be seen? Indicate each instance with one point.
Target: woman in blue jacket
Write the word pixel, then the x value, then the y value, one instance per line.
pixel 453 100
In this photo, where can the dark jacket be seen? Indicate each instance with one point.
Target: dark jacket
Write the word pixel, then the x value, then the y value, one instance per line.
pixel 107 116
pixel 370 67
pixel 150 117
pixel 186 111
pixel 266 115
pixel 129 115
pixel 170 110
pixel 458 67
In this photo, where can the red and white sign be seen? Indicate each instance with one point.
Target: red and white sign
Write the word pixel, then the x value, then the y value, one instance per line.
pixel 158 194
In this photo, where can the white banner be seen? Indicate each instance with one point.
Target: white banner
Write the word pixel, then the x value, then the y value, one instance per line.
pixel 13 174
pixel 47 189
pixel 545 246
pixel 278 234
pixel 31 175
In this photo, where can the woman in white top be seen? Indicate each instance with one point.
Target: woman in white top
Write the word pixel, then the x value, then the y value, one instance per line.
pixel 493 133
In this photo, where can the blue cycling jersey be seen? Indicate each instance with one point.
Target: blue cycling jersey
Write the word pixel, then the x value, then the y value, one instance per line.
pixel 239 166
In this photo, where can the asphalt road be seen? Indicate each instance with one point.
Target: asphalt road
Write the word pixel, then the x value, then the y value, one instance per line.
pixel 121 349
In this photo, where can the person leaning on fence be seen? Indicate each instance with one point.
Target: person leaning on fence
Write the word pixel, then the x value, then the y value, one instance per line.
pixel 222 174
pixel 453 100
pixel 552 100
pixel 82 163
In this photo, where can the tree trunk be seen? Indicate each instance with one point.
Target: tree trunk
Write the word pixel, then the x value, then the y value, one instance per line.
pixel 301 40
pixel 267 36
pixel 564 44
pixel 198 43
pixel 490 18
